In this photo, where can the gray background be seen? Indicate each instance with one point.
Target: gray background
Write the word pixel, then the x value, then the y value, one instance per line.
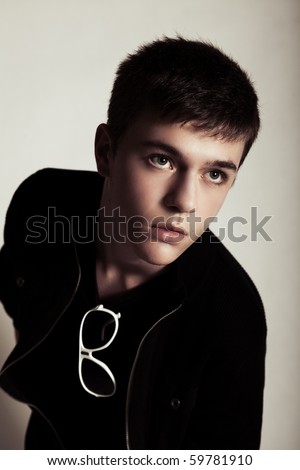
pixel 58 60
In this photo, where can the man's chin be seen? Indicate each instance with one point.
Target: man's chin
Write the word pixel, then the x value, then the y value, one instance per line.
pixel 160 254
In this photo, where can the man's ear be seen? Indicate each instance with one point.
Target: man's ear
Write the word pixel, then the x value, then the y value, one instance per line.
pixel 103 149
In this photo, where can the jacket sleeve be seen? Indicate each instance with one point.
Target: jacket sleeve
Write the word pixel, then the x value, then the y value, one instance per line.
pixel 11 276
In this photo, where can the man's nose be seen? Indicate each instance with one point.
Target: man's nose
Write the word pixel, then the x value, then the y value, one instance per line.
pixel 182 194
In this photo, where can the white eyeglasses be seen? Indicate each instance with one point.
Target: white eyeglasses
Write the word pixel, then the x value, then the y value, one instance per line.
pixel 98 329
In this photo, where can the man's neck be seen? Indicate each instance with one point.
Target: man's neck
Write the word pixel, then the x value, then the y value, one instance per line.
pixel 117 271
pixel 113 280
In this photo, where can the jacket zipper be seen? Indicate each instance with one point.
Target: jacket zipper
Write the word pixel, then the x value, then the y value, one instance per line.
pixel 133 370
pixel 49 423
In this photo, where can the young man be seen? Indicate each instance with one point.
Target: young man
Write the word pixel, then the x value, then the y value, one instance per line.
pixel 137 328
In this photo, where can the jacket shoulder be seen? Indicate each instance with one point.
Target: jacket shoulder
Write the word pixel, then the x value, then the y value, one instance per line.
pixel 232 268
pixel 224 281
pixel 239 288
pixel 24 255
pixel 68 191
pixel 55 184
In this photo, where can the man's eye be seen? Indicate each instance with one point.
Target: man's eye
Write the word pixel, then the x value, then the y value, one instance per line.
pixel 217 176
pixel 160 161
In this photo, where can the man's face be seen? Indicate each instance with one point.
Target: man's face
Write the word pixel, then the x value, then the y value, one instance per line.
pixel 168 180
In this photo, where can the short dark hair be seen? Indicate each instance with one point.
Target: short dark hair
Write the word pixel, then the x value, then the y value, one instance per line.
pixel 185 80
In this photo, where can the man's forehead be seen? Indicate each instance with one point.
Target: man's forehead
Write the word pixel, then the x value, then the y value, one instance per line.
pixel 153 118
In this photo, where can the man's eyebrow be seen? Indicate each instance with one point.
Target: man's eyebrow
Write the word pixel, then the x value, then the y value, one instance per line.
pixel 162 146
pixel 226 164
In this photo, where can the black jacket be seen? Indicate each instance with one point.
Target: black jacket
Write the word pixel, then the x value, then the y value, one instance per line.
pixel 198 378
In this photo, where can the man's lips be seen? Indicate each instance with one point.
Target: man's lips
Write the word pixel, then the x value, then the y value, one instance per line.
pixel 168 233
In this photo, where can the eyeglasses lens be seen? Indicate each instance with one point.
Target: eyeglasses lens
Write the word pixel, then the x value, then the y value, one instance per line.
pixel 96 379
pixel 98 329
